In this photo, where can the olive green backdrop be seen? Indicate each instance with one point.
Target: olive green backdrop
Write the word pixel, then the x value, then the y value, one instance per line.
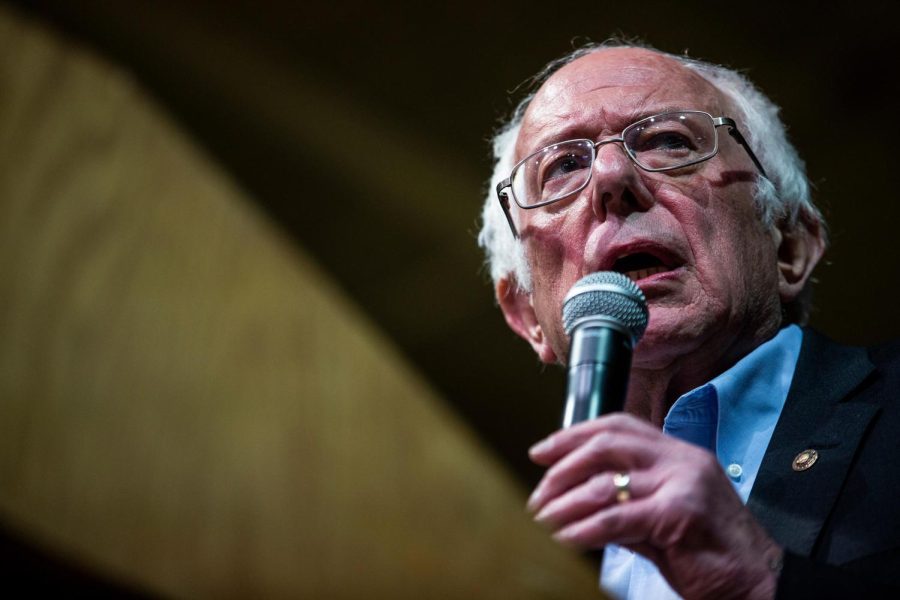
pixel 360 127
pixel 189 405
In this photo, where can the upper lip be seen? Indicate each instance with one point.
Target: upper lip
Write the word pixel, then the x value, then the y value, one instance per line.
pixel 668 257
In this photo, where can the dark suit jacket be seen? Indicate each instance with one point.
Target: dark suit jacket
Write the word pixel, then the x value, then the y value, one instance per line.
pixel 840 519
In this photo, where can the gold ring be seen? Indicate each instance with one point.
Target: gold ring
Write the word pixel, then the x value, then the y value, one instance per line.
pixel 622 481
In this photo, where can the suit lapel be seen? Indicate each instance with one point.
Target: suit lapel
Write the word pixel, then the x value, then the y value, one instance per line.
pixel 793 505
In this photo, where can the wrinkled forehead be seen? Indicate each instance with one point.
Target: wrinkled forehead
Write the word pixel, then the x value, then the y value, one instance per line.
pixel 603 92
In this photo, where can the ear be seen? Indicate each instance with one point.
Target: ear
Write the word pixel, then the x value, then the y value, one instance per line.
pixel 799 249
pixel 520 316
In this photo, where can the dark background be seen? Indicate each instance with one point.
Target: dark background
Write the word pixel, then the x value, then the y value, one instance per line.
pixel 361 130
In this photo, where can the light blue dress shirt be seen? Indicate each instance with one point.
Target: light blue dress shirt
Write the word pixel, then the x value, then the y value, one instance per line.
pixel 734 416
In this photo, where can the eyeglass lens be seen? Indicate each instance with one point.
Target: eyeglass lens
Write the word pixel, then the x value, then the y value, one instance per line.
pixel 661 142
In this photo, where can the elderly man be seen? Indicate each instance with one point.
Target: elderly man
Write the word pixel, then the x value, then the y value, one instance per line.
pixel 753 456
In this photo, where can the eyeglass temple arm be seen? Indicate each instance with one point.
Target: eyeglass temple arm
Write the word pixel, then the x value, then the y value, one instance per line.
pixel 733 132
pixel 503 197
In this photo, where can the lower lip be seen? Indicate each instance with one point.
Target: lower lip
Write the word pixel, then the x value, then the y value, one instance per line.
pixel 660 277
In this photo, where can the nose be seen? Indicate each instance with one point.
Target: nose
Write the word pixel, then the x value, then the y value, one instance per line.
pixel 617 185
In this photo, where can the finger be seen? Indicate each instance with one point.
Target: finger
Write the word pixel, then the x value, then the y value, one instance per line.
pixel 603 452
pixel 627 524
pixel 552 448
pixel 593 495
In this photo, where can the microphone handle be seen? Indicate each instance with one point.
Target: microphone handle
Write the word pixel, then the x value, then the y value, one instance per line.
pixel 599 364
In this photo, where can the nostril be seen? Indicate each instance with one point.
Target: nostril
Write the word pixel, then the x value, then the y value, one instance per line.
pixel 599 207
pixel 621 202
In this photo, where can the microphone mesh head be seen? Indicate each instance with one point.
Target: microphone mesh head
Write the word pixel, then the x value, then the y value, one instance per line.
pixel 609 295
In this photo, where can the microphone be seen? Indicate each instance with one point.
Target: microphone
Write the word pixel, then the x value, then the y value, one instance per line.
pixel 605 314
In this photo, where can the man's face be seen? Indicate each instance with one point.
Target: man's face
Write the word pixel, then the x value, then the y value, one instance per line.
pixel 691 237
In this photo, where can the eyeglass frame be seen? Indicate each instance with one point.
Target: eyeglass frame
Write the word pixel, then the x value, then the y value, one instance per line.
pixel 728 122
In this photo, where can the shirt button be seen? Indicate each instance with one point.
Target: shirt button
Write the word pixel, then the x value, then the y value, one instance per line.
pixel 734 470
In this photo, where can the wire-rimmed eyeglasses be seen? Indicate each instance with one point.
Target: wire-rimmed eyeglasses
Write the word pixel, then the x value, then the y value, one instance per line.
pixel 663 142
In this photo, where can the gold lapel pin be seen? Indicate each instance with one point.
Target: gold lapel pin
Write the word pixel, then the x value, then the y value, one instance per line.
pixel 805 460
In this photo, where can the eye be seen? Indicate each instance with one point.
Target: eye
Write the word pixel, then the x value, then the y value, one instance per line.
pixel 564 164
pixel 663 140
pixel 671 140
pixel 667 140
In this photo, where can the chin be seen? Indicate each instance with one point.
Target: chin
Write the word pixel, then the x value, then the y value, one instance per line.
pixel 671 334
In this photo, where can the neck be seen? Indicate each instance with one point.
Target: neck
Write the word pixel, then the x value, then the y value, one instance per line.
pixel 652 390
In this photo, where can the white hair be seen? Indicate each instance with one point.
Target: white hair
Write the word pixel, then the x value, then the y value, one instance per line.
pixel 781 198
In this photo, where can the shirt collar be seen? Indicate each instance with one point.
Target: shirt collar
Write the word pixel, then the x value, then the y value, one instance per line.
pixel 752 393
pixel 745 397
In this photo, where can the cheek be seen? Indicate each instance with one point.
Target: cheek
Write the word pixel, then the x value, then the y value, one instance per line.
pixel 726 242
pixel 555 247
pixel 694 206
pixel 738 265
pixel 547 309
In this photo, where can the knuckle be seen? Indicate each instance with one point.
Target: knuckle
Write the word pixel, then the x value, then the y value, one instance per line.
pixel 585 429
pixel 619 422
pixel 599 487
pixel 599 444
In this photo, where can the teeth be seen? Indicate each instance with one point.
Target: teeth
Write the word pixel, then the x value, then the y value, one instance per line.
pixel 642 273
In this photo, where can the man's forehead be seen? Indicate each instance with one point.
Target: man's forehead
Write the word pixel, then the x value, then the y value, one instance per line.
pixel 617 84
pixel 610 68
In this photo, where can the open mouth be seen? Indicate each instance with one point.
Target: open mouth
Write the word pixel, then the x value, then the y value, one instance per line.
pixel 640 265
